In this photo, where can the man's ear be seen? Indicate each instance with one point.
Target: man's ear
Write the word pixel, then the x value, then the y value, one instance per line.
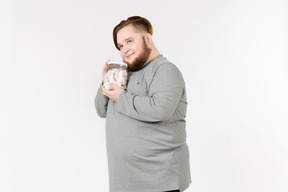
pixel 148 38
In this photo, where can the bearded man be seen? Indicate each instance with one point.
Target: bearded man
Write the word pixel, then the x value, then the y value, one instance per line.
pixel 145 123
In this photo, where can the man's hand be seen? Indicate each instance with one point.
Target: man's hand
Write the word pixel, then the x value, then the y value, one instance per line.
pixel 114 93
pixel 104 70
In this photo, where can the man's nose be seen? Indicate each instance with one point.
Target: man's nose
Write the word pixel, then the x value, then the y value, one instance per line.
pixel 126 48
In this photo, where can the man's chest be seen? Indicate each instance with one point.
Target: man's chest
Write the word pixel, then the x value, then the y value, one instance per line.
pixel 139 83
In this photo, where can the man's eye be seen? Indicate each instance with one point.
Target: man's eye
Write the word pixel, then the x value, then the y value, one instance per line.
pixel 130 41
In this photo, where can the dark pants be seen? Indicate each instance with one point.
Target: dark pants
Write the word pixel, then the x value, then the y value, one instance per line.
pixel 173 191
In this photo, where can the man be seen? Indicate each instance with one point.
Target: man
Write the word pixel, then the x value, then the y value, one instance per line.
pixel 145 124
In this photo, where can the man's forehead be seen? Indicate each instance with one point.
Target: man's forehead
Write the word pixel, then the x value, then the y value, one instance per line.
pixel 129 29
pixel 126 33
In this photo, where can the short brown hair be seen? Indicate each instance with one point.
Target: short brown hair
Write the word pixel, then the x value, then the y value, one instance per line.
pixel 138 22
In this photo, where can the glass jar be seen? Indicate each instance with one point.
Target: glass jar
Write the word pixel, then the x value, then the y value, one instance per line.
pixel 116 73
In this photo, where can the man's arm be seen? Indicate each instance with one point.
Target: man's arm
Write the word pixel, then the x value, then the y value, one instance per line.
pixel 101 103
pixel 164 95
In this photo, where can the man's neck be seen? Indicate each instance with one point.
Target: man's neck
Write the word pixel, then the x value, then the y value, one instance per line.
pixel 154 53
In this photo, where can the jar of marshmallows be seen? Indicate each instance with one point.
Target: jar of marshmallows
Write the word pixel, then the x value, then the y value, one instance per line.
pixel 116 73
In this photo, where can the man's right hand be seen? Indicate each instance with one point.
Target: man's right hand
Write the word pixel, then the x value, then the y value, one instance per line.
pixel 104 70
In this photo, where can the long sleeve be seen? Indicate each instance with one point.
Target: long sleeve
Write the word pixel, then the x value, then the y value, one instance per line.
pixel 145 131
pixel 164 95
pixel 101 103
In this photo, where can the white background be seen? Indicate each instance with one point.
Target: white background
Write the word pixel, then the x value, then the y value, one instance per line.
pixel 233 56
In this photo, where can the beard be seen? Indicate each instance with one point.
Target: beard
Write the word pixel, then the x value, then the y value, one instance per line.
pixel 140 61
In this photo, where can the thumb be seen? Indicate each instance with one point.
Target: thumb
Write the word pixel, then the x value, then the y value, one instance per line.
pixel 115 87
pixel 112 85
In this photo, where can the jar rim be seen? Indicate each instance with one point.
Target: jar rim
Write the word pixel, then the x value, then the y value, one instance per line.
pixel 117 62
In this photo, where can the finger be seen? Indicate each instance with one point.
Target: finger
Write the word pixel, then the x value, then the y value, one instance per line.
pixel 105 93
pixel 107 61
pixel 115 87
pixel 104 69
pixel 111 87
pixel 106 65
pixel 107 90
pixel 103 88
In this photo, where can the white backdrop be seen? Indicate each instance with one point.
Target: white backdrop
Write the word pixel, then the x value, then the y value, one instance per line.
pixel 233 55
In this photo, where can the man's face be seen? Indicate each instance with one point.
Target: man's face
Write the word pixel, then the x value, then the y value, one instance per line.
pixel 133 48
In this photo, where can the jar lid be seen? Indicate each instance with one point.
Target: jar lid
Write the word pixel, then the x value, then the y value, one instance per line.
pixel 117 62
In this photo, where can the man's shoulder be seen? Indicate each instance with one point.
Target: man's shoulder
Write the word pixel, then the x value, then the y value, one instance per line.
pixel 162 62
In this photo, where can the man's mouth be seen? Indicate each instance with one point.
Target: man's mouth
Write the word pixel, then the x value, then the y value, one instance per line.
pixel 129 55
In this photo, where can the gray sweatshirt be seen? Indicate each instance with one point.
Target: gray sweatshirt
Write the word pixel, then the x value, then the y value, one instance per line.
pixel 145 131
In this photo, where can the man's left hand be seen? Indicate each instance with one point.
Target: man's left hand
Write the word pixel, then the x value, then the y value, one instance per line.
pixel 114 93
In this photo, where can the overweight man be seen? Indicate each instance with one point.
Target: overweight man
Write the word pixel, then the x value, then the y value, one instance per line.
pixel 145 123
